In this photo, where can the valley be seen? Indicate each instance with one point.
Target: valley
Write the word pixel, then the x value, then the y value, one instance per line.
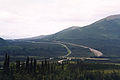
pixel 76 53
pixel 99 39
pixel 59 39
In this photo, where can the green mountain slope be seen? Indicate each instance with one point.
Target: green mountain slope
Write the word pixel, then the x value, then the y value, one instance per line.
pixel 42 49
pixel 103 35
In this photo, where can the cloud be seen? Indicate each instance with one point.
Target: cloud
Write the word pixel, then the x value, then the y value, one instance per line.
pixel 8 17
pixel 37 17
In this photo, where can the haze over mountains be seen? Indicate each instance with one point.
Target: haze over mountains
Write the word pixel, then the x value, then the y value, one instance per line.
pixel 103 35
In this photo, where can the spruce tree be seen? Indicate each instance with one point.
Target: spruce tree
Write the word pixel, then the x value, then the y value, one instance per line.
pixel 6 63
pixel 17 66
pixel 27 65
pixel 35 64
pixel 31 65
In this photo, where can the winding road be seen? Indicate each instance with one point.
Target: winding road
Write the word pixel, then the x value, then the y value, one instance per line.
pixel 96 52
pixel 68 50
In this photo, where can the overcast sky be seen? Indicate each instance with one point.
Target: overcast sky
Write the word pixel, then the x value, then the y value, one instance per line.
pixel 26 18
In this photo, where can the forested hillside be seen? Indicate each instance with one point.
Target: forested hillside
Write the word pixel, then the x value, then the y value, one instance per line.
pixel 102 35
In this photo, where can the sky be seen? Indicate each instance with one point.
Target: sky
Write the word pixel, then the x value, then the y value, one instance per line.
pixel 28 18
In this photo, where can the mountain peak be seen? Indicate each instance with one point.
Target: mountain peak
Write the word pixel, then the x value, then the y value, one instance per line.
pixel 1 38
pixel 112 17
pixel 73 27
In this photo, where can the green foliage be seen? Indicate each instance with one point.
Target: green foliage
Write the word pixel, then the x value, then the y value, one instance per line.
pixel 33 49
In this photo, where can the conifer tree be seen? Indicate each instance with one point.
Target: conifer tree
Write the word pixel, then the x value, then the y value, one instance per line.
pixel 6 63
pixel 35 64
pixel 27 65
pixel 17 66
pixel 31 65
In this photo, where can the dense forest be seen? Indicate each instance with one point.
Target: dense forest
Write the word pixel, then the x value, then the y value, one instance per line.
pixel 32 69
pixel 43 49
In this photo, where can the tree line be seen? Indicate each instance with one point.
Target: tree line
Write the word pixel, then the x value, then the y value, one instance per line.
pixel 32 69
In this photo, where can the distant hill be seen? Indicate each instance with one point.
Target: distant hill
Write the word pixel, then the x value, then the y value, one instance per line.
pixel 103 35
pixel 2 42
pixel 1 39
pixel 106 28
pixel 31 38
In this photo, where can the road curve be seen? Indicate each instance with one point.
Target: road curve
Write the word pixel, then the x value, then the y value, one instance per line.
pixel 96 52
pixel 59 43
pixel 68 50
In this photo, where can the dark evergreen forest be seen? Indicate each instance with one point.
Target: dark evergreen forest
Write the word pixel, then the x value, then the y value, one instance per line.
pixel 32 69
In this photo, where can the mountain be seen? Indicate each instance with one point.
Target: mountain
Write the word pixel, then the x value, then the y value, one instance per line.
pixel 31 38
pixel 1 39
pixel 103 35
pixel 2 42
